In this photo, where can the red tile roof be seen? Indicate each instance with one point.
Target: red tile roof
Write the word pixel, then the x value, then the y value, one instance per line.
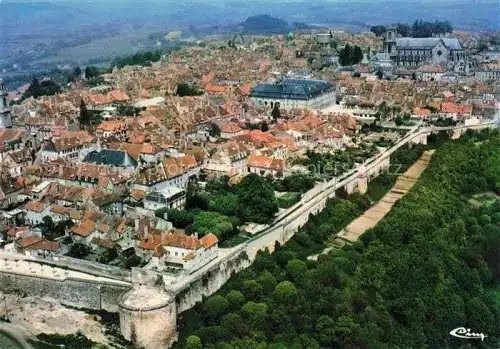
pixel 447 107
pixel 45 244
pixel 35 206
pixel 209 240
pixel 261 161
pixel 31 240
pixel 188 242
pixel 421 111
pixel 85 228
pixel 231 128
pixel 215 88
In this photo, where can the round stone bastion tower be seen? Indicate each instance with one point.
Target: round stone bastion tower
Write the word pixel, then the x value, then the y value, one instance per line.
pixel 148 314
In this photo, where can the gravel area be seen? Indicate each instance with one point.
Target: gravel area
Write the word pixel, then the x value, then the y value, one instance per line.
pixel 35 315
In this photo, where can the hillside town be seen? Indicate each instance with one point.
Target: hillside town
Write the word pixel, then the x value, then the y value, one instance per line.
pixel 150 167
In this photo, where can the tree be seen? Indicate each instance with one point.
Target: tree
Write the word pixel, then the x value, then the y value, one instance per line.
pixel 212 222
pixel 398 120
pixel 235 325
pixel 235 299
pixel 275 113
pixel 255 313
pixel 423 29
pixel 193 342
pixel 296 269
pixel 128 110
pixel 403 29
pixel 45 88
pixel 132 261
pixel 264 127
pixel 267 281
pixel 48 228
pixel 140 58
pixel 357 55
pixel 214 130
pixel 77 72
pixel 184 89
pixel 378 30
pixel 297 182
pixel 325 327
pixel 285 292
pixel 350 55
pixel 345 55
pixel 35 89
pixel 484 219
pixel 257 199
pixel 373 294
pixel 79 250
pixel 214 307
pixel 179 218
pixel 346 329
pixel 227 204
pixel 108 255
pixel 84 119
pixel 252 289
pixel 91 72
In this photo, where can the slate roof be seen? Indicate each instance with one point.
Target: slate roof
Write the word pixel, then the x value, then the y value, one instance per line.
pixel 110 157
pixel 291 89
pixel 427 43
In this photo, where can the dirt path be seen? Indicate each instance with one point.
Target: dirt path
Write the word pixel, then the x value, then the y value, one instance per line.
pixel 374 214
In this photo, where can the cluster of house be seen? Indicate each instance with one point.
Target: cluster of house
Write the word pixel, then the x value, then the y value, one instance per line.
pixel 103 184
pixel 102 187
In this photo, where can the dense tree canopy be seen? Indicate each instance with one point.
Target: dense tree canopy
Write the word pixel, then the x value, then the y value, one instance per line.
pixel 257 200
pixel 424 29
pixel 44 88
pixel 140 58
pixel 350 55
pixel 431 265
pixel 91 72
pixel 185 89
pixel 419 29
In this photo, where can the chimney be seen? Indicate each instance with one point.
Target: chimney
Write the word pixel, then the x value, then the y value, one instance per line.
pixel 146 227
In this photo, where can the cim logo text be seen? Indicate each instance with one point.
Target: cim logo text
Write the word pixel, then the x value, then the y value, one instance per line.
pixel 465 333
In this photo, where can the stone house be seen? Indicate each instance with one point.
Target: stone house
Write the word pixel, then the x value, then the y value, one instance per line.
pixel 172 251
pixel 36 246
pixel 229 159
pixel 266 166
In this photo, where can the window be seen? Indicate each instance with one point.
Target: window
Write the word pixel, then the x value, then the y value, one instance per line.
pixel 439 53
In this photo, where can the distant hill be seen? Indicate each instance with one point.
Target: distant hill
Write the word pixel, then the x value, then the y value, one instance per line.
pixel 266 24
pixel 12 11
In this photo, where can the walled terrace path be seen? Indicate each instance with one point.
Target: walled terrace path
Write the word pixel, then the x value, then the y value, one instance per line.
pixel 374 214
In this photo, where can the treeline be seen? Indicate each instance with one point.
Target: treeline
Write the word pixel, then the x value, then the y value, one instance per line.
pixel 44 88
pixel 419 29
pixel 430 266
pixel 140 58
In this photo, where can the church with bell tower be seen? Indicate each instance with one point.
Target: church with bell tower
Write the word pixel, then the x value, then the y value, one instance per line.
pixel 5 116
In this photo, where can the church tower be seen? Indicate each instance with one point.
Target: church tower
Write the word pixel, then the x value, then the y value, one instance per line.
pixel 5 118
pixel 390 36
